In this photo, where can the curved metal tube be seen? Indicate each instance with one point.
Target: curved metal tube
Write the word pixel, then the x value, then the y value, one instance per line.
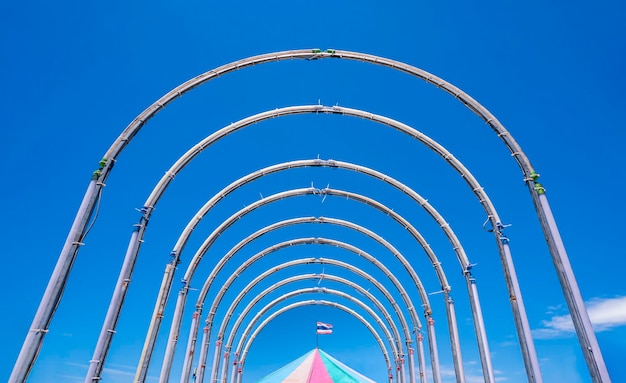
pixel 292 294
pixel 317 302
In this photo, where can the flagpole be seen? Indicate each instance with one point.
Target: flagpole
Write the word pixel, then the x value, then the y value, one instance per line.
pixel 316 337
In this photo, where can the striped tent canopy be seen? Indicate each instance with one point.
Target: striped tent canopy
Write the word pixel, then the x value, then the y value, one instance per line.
pixel 315 366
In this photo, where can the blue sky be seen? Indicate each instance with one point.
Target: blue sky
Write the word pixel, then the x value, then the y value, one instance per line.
pixel 75 74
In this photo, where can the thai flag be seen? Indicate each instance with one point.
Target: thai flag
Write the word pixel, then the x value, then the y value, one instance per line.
pixel 324 328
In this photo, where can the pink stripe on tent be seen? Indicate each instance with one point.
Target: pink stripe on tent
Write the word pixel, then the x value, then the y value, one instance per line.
pixel 319 374
pixel 300 373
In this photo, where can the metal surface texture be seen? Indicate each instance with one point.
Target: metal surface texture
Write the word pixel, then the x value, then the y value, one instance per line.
pixel 58 280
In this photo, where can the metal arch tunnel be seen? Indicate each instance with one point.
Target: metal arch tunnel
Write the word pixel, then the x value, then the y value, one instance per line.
pixel 291 165
pixel 330 277
pixel 238 298
pixel 335 164
pixel 339 244
pixel 394 336
pixel 175 328
pixel 448 157
pixel 270 305
pixel 213 308
pixel 106 333
pixel 58 280
pixel 523 328
pixel 319 302
pixel 205 337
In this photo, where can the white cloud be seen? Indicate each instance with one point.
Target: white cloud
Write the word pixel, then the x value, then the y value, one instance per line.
pixel 116 373
pixel 71 378
pixel 605 314
pixel 473 373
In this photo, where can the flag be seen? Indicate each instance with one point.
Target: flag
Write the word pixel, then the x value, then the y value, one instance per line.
pixel 324 328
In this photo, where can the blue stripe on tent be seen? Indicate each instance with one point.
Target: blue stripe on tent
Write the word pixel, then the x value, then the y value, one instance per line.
pixel 350 375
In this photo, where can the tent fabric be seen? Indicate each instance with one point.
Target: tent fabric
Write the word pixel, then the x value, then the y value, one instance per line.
pixel 315 366
pixel 348 374
pixel 282 373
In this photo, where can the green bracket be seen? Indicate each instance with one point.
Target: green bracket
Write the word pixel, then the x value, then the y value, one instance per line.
pixel 98 172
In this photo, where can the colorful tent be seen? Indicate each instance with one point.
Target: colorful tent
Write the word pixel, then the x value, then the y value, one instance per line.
pixel 315 366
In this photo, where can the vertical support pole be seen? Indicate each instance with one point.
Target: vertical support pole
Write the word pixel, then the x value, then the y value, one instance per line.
pixel 235 367
pixel 399 369
pixel 225 364
pixel 240 371
pixel 524 334
pixel 216 358
pixel 573 297
pixel 56 285
pixel 434 352
pixel 170 349
pixel 411 362
pixel 155 323
pixel 115 307
pixel 216 364
pixel 191 345
pixel 421 357
pixel 479 328
pixel 204 351
pixel 459 370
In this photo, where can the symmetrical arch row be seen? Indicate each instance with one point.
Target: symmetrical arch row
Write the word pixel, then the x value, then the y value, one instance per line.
pixel 361 290
pixel 187 157
pixel 395 343
pixel 194 327
pixel 106 334
pixel 166 366
pixel 430 143
pixel 358 288
pixel 339 244
pixel 59 278
pixel 325 303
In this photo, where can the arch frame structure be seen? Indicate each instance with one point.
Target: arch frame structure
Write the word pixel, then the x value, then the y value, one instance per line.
pixel 325 303
pixel 59 278
pixel 523 328
pixel 450 312
pixel 393 336
pixel 319 277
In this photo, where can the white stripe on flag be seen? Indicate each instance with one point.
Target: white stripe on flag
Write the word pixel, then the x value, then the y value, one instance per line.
pixel 324 328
